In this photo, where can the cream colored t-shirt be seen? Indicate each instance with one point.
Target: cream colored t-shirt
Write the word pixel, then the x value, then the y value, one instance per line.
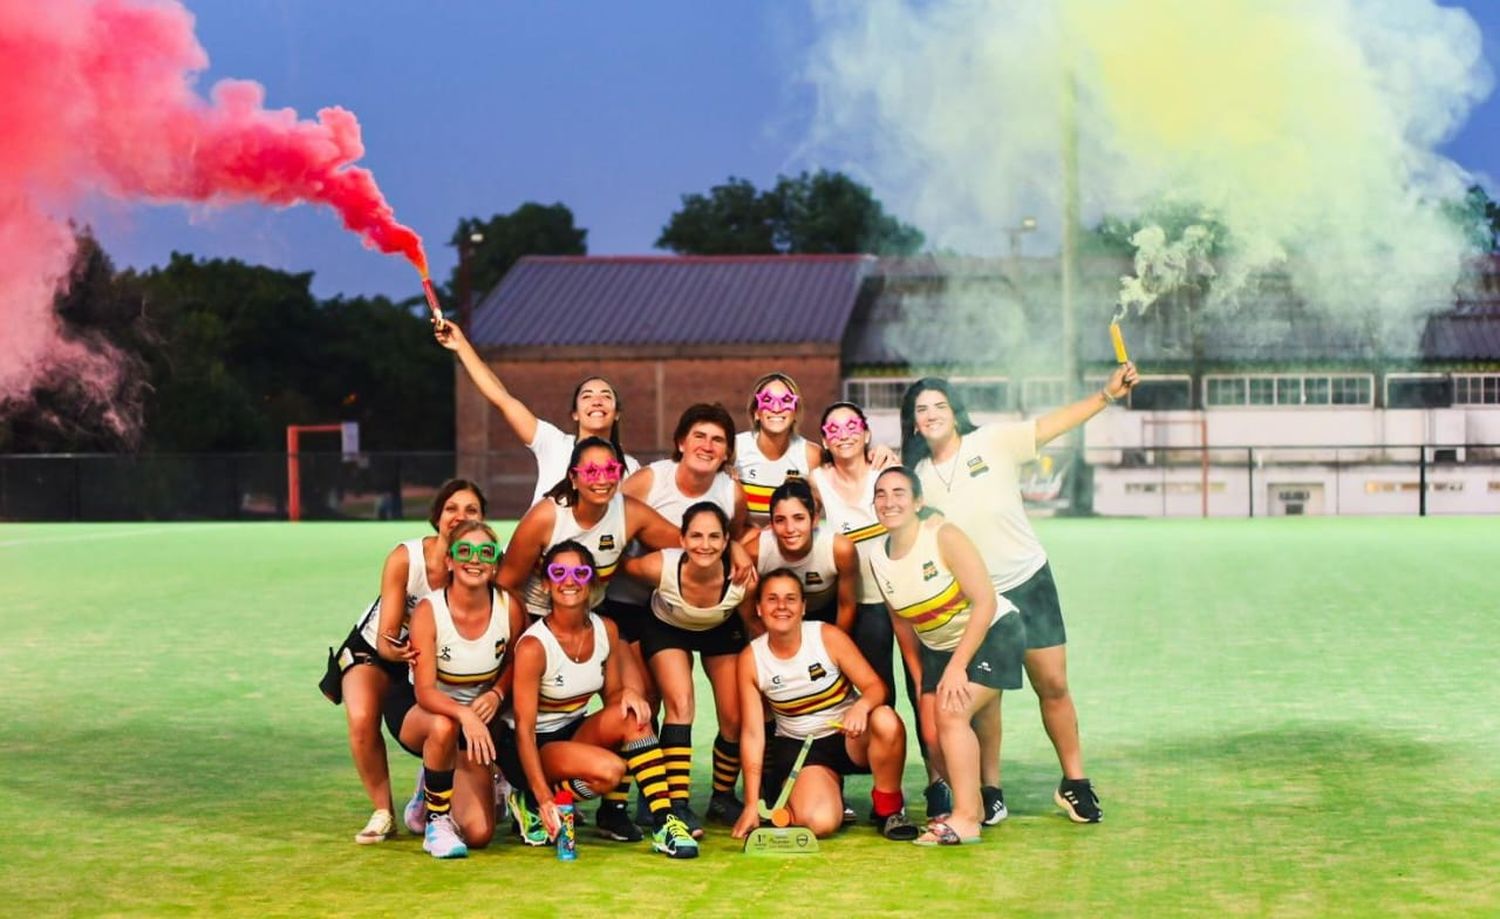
pixel 979 489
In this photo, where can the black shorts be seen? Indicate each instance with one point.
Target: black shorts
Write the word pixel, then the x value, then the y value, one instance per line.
pixel 997 664
pixel 828 614
pixel 508 755
pixel 399 702
pixel 1036 598
pixel 352 653
pixel 781 753
pixel 728 637
pixel 630 618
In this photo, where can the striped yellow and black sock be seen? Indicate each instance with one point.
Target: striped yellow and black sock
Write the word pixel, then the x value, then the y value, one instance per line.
pixel 619 796
pixel 578 788
pixel 726 765
pixel 677 750
pixel 437 790
pixel 645 761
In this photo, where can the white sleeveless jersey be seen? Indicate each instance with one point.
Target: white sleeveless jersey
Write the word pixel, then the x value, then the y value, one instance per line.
pixel 667 500
pixel 467 667
pixel 760 476
pixel 856 521
pixel 816 570
pixel 606 539
pixel 919 588
pixel 567 685
pixel 807 691
pixel 416 588
pixel 669 606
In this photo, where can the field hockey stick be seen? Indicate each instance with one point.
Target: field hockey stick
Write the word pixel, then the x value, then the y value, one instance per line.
pixel 791 779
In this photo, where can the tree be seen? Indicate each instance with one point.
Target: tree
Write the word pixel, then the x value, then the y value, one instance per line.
pixel 822 212
pixel 531 229
pixel 1479 217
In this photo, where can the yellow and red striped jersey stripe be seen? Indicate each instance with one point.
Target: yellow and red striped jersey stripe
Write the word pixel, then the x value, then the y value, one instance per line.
pixel 817 702
pixel 565 706
pixel 866 532
pixel 758 497
pixel 467 679
pixel 935 612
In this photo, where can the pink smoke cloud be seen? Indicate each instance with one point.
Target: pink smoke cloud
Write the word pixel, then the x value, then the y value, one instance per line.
pixel 100 98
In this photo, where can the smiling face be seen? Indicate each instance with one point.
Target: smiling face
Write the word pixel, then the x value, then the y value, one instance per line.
pixel 845 434
pixel 596 475
pixel 473 557
pixel 572 591
pixel 934 416
pixel 896 502
pixel 462 505
pixel 776 407
pixel 704 448
pixel 704 539
pixel 792 524
pixel 595 408
pixel 780 606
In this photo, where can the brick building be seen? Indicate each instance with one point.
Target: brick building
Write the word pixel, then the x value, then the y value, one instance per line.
pixel 667 331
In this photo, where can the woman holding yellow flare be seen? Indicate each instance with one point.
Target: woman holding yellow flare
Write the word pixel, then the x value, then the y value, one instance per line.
pixel 971 474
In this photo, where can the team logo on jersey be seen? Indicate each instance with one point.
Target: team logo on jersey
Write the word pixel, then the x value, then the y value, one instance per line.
pixel 814 578
pixel 929 571
pixel 815 671
pixel 557 680
pixel 977 467
pixel 411 602
pixel 445 654
pixel 752 472
pixel 776 680
pixel 607 542
pixel 793 474
pixel 500 648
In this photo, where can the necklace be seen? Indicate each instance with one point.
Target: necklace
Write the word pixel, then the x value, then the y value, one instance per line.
pixel 947 480
pixel 573 655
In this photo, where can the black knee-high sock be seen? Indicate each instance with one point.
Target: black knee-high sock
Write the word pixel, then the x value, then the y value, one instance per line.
pixel 677 750
pixel 437 789
pixel 646 762
pixel 726 764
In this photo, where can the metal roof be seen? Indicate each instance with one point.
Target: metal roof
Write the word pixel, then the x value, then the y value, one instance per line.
pixel 671 300
pixel 1465 334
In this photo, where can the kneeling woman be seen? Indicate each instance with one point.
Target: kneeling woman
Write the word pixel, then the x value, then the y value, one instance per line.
pixel 695 608
pixel 560 663
pixel 961 639
pixel 451 703
pixel 818 686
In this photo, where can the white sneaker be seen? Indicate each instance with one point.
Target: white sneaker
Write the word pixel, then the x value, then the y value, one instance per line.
pixel 380 827
pixel 502 793
pixel 415 814
pixel 442 839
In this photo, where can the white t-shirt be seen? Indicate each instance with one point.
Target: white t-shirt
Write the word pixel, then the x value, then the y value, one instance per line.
pixel 552 449
pixel 980 490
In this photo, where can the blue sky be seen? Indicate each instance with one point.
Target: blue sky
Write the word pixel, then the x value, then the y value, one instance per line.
pixel 471 107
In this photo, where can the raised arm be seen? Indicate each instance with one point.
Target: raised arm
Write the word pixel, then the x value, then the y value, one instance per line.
pixel 516 414
pixel 1060 421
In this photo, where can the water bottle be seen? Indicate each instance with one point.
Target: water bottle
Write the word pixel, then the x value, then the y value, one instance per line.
pixel 567 842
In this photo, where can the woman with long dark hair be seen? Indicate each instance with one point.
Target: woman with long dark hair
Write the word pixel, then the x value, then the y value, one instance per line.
pixel 972 475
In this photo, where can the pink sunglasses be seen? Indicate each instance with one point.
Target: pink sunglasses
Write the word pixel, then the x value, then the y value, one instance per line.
pixel 581 574
pixel 593 472
pixel 770 402
pixel 848 429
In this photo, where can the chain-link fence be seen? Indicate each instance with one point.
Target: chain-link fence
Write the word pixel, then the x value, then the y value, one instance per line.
pixel 1216 481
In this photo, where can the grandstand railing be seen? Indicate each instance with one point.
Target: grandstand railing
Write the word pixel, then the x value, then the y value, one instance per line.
pixel 1244 481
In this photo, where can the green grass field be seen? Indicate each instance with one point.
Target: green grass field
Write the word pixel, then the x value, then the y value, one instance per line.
pixel 1288 717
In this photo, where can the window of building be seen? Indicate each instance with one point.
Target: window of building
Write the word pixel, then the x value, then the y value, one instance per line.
pixel 1418 390
pixel 983 394
pixel 1476 389
pixel 878 394
pixel 1162 394
pixel 1289 389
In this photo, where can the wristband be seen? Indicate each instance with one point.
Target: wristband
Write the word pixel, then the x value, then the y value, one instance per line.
pixel 1108 399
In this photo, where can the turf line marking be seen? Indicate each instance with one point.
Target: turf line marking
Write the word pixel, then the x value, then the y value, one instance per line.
pixel 125 534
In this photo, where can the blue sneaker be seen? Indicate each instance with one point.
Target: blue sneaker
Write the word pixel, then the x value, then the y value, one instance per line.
pixel 442 839
pixel 673 840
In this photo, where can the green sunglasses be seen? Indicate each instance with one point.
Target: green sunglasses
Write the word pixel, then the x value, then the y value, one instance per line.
pixel 485 553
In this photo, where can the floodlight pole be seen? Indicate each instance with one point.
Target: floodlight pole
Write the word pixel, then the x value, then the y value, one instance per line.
pixel 1072 373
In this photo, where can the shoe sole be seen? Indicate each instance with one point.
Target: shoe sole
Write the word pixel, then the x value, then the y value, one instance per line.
pixel 364 840
pixel 457 853
pixel 683 854
pixel 1073 815
pixel 612 836
pixel 996 819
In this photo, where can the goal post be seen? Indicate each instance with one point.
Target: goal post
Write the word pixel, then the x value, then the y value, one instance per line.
pixel 348 432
